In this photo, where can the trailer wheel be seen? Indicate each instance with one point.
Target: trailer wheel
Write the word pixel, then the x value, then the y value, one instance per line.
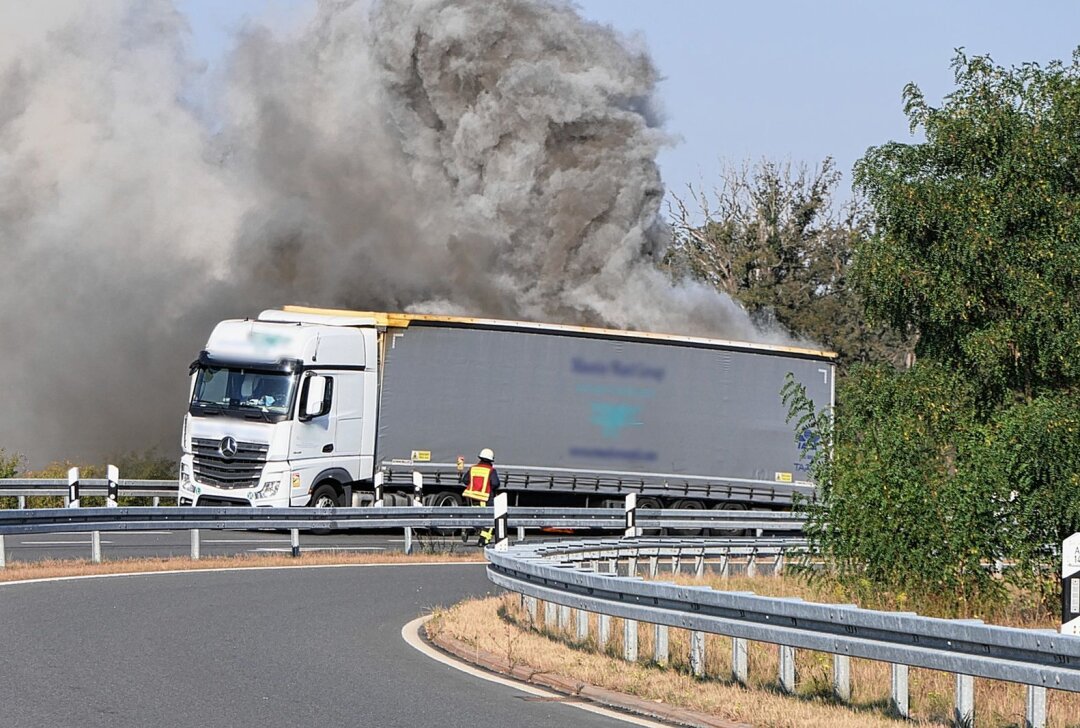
pixel 729 532
pixel 688 504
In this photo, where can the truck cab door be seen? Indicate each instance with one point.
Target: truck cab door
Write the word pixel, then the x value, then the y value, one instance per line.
pixel 315 436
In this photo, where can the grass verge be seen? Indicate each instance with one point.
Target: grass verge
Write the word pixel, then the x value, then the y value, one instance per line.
pixel 499 625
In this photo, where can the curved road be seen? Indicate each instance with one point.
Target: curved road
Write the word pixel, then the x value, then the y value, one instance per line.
pixel 316 647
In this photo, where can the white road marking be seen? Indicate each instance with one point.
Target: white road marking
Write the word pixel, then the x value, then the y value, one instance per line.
pixel 411 634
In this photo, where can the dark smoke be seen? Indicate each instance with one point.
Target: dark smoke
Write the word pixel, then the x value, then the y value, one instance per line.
pixel 471 157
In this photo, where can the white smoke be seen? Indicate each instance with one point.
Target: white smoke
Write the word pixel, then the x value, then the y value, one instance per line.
pixel 490 158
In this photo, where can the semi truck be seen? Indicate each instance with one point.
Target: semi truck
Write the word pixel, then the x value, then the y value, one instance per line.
pixel 319 407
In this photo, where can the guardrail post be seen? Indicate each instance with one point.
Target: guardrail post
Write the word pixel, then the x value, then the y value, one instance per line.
pixel 899 690
pixel 751 565
pixel 964 713
pixel 724 558
pixel 699 566
pixel 530 609
pixel 502 539
pixel 564 617
pixel 112 474
pixel 520 533
pixel 697 653
pixel 73 488
pixel 660 644
pixel 632 530
pixel 95 547
pixel 631 565
pixel 654 565
pixel 630 652
pixel 603 631
pixel 787 669
pixel 22 502
pixel 582 625
pixel 194 544
pixel 549 616
pixel 676 562
pixel 841 677
pixel 1035 716
pixel 778 564
pixel 294 541
pixel 377 483
pixel 739 661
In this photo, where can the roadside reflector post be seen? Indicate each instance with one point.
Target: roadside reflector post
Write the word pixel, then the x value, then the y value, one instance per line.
pixel 3 553
pixel 378 484
pixel 417 488
pixel 112 474
pixel 73 488
pixel 631 516
pixel 1070 585
pixel 294 541
pixel 502 541
pixel 194 544
pixel 95 547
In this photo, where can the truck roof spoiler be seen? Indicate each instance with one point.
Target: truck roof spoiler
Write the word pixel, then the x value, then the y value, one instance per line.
pixel 296 317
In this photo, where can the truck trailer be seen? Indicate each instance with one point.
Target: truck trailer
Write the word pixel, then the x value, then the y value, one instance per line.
pixel 315 407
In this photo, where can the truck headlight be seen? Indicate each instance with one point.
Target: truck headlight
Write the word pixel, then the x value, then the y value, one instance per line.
pixel 268 490
pixel 185 480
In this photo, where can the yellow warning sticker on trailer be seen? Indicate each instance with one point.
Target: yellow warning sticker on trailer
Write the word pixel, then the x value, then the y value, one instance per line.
pixel 783 477
pixel 421 456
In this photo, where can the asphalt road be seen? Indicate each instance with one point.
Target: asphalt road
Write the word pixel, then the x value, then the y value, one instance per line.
pixel 161 544
pixel 315 647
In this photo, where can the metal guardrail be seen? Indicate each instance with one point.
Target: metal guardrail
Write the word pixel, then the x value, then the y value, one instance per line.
pixel 45 520
pixel 554 573
pixel 23 488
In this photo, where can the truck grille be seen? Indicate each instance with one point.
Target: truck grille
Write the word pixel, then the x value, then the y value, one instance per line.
pixel 242 470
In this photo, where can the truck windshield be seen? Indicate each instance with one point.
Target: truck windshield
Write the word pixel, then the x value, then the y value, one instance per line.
pixel 250 393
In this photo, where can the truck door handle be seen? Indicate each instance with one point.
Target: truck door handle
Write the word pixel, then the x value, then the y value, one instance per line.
pixel 328 448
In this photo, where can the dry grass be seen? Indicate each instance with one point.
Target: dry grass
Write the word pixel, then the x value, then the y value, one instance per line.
pixel 512 635
pixel 21 570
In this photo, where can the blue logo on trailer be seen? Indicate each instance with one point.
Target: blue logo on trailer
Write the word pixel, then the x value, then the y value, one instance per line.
pixel 614 418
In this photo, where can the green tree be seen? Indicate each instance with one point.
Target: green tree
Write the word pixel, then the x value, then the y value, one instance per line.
pixel 9 464
pixel 973 454
pixel 978 227
pixel 771 237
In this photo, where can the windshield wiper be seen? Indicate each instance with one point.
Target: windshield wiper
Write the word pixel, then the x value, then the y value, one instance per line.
pixel 262 414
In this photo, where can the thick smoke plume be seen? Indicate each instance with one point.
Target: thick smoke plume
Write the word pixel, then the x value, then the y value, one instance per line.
pixel 472 157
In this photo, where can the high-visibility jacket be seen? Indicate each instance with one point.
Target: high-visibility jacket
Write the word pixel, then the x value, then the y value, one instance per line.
pixel 479 482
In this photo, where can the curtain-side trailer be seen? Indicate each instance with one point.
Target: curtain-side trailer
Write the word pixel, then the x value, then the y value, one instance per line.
pixel 305 406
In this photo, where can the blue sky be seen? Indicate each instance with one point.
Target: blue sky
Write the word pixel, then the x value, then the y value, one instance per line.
pixel 782 80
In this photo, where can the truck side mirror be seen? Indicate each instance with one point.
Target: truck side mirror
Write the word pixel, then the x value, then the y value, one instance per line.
pixel 315 397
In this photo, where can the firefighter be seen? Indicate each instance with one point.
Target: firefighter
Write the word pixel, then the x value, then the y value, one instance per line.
pixel 481 482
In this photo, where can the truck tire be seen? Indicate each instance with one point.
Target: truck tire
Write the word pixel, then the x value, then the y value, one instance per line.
pixel 653 504
pixel 447 499
pixel 728 532
pixel 325 496
pixel 689 504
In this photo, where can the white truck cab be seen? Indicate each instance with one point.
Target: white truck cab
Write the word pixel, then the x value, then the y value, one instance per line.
pixel 281 412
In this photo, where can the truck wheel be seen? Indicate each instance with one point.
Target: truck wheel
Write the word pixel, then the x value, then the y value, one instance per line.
pixel 729 532
pixel 688 504
pixel 325 496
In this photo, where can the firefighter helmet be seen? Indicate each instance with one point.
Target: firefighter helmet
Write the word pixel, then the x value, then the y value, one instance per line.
pixel 487 454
